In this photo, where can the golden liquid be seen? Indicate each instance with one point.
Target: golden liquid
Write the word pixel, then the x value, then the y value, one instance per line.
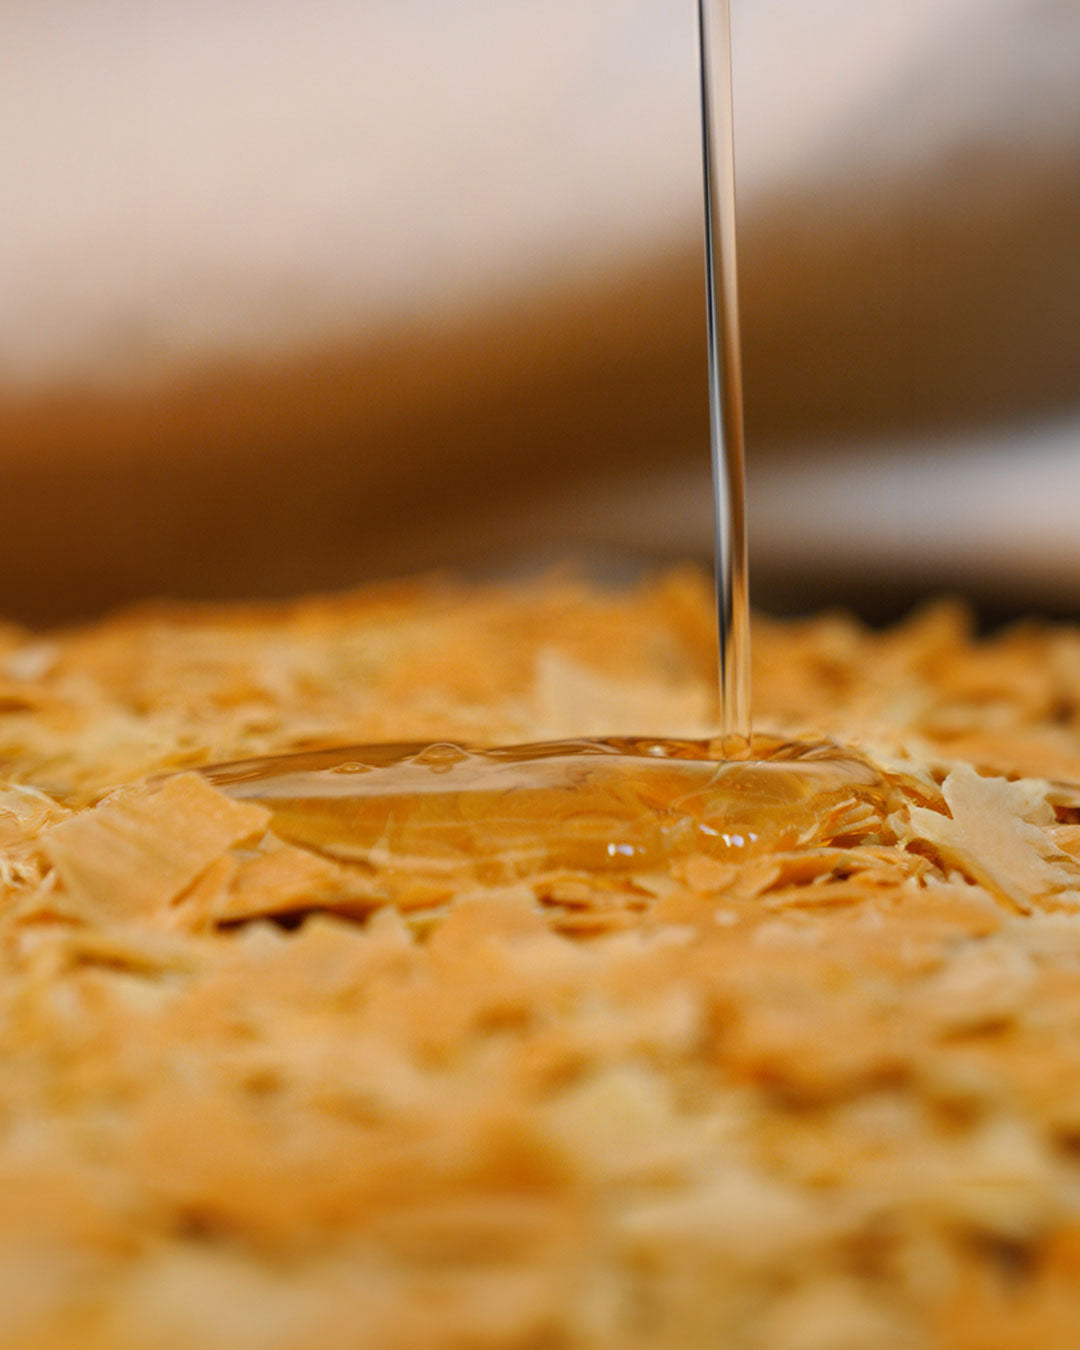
pixel 598 806
pixel 595 806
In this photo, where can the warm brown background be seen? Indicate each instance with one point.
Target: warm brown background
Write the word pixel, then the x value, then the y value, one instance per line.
pixel 568 418
pixel 513 429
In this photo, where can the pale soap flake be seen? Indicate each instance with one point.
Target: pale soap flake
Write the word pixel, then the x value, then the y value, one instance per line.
pixel 991 837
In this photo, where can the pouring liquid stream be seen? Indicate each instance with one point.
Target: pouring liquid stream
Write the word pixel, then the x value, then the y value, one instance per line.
pixel 726 422
pixel 444 813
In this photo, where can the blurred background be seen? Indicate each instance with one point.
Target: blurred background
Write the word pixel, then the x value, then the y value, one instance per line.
pixel 294 295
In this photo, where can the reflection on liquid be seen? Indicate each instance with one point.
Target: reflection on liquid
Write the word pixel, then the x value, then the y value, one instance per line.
pixel 589 805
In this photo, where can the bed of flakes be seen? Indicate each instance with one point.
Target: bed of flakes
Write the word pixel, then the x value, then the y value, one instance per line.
pixel 827 1099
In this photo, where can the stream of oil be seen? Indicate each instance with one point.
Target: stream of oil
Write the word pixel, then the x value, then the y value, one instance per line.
pixel 611 804
pixel 726 425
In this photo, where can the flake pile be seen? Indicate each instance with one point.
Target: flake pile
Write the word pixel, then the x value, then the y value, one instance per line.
pixel 823 1100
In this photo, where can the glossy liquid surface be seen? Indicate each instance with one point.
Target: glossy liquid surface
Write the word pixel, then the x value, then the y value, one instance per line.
pixel 594 806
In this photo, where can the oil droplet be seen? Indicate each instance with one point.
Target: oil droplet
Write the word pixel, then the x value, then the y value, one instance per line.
pixel 610 805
